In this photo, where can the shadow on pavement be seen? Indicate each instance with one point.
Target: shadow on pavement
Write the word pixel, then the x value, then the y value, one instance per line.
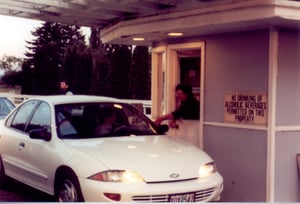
pixel 17 192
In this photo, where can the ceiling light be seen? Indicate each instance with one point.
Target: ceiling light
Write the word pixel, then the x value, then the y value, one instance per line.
pixel 138 39
pixel 175 34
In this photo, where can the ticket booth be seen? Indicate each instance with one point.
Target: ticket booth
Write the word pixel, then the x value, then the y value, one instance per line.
pixel 248 85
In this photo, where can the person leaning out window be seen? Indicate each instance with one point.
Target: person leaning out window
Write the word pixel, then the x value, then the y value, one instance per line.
pixel 188 109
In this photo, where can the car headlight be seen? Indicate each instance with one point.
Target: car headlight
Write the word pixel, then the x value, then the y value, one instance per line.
pixel 207 169
pixel 118 176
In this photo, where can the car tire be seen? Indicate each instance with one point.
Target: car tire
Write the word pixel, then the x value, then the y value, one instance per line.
pixel 68 188
pixel 3 177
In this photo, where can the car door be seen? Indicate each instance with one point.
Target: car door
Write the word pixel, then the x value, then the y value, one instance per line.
pixel 12 140
pixel 27 158
pixel 36 152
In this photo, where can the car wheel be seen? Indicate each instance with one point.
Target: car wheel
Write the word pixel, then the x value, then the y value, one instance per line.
pixel 68 189
pixel 3 177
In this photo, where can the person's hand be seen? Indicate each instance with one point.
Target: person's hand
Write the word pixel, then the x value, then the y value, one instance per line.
pixel 172 124
pixel 158 121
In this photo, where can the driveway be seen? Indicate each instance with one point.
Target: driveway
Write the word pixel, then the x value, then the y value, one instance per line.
pixel 17 192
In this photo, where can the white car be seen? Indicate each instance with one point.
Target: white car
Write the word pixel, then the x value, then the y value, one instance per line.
pixel 51 143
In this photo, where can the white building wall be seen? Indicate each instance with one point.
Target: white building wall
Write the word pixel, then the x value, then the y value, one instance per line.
pixel 236 62
pixel 288 118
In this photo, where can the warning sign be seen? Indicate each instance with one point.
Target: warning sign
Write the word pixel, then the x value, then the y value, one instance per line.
pixel 247 108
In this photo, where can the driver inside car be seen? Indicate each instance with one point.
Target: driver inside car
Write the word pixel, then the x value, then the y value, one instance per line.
pixel 107 119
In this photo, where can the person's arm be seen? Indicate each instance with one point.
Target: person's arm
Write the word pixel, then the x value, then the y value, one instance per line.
pixel 164 117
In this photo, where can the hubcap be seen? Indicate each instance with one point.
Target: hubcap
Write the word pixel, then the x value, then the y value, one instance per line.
pixel 67 192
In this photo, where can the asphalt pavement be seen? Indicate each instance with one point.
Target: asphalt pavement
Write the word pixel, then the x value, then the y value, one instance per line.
pixel 17 192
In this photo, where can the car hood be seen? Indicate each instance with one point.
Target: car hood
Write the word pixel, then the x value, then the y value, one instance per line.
pixel 155 158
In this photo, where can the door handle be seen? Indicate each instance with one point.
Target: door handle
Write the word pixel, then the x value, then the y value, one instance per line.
pixel 21 145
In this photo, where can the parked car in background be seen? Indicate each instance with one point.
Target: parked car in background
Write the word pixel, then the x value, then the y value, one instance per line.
pixel 6 106
pixel 56 145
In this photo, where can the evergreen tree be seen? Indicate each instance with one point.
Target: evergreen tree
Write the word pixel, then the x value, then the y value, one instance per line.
pixel 27 73
pixel 46 54
pixel 12 78
pixel 100 69
pixel 95 40
pixel 118 76
pixel 140 75
pixel 59 52
pixel 78 68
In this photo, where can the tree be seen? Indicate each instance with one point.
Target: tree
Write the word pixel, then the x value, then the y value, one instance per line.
pixel 46 55
pixel 101 68
pixel 78 66
pixel 11 67
pixel 59 52
pixel 10 63
pixel 95 40
pixel 27 73
pixel 118 77
pixel 140 75
pixel 118 73
pixel 12 78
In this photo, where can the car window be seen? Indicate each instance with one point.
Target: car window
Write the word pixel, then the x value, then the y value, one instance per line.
pixel 41 119
pixel 92 120
pixel 64 125
pixel 9 104
pixel 5 106
pixel 135 120
pixel 19 119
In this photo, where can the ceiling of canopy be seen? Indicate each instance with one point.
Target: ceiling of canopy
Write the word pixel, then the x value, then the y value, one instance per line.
pixel 152 20
pixel 99 13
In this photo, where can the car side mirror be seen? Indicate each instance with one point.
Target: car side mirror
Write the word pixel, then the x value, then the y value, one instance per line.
pixel 40 133
pixel 162 129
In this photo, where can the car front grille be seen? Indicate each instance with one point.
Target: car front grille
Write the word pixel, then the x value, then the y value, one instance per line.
pixel 199 196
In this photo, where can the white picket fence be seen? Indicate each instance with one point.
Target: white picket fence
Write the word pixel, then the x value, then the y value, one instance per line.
pixel 15 98
pixel 144 105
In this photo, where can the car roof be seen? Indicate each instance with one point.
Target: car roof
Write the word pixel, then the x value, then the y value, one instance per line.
pixel 64 99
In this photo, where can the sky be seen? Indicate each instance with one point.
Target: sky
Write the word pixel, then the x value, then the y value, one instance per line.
pixel 15 32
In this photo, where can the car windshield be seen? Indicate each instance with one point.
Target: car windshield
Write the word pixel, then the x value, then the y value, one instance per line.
pixel 95 120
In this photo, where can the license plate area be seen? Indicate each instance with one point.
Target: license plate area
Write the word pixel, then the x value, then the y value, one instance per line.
pixel 181 198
